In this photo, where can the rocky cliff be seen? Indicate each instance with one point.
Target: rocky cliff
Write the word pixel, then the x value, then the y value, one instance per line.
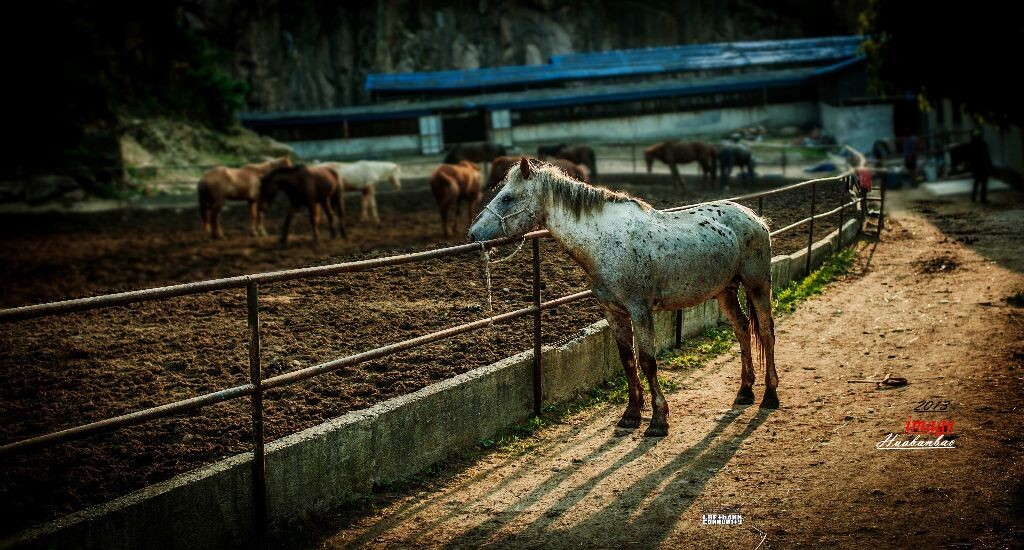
pixel 315 54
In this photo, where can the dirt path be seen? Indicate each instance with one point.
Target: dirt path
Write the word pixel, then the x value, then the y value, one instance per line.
pixel 928 303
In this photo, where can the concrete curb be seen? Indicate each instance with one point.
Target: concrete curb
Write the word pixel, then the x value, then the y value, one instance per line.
pixel 318 469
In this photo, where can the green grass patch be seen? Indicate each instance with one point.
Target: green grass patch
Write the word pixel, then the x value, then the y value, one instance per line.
pixel 787 298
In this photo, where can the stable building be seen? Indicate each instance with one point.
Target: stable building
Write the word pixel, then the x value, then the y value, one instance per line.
pixel 635 95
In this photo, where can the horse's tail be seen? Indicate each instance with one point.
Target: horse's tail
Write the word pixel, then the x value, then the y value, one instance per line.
pixel 757 345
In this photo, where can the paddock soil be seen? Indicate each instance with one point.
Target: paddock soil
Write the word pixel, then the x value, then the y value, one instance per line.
pixel 62 372
pixel 937 301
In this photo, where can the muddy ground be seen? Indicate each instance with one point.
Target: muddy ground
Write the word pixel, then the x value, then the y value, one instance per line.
pixel 933 302
pixel 62 372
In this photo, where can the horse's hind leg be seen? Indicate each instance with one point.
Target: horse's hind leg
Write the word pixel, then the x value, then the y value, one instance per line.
pixel 730 305
pixel 325 205
pixel 643 329
pixel 759 303
pixel 217 231
pixel 623 331
pixel 373 206
pixel 314 220
pixel 365 204
pixel 254 218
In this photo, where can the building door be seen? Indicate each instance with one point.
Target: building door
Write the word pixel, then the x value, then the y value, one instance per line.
pixel 464 127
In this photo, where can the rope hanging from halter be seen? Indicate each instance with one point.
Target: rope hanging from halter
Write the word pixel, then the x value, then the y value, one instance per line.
pixel 487 269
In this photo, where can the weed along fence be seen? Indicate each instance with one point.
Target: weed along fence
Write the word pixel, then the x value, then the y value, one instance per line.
pixel 235 501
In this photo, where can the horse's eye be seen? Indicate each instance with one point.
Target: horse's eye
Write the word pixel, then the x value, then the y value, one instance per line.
pixel 507 198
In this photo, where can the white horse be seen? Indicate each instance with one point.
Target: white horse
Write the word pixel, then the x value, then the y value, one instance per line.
pixel 363 176
pixel 640 260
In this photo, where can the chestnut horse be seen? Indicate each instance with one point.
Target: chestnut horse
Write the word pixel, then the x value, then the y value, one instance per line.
pixel 313 188
pixel 577 154
pixel 239 184
pixel 453 184
pixel 484 151
pixel 500 166
pixel 683 152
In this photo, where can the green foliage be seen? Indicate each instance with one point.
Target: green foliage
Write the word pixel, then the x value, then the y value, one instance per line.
pixel 696 352
pixel 796 292
pixel 911 50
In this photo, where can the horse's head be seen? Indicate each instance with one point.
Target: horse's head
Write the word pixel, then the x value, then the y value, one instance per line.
pixel 649 158
pixel 393 177
pixel 269 184
pixel 514 210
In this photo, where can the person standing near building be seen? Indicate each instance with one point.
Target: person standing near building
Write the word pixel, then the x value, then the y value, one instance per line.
pixel 981 166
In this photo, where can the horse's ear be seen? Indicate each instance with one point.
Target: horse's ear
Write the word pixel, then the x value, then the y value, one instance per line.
pixel 525 169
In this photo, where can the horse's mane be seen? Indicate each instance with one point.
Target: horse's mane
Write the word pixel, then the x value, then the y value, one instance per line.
pixel 578 197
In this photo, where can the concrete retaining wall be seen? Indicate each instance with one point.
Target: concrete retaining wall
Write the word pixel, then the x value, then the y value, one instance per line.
pixel 316 470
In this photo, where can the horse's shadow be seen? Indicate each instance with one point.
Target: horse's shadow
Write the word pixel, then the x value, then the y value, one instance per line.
pixel 665 494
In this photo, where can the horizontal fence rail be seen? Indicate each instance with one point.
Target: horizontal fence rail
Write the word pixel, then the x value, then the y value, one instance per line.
pixel 259 385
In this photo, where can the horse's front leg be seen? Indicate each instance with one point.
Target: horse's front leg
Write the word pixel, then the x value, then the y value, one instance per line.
pixel 643 329
pixel 287 224
pixel 677 178
pixel 254 218
pixel 314 220
pixel 365 206
pixel 730 306
pixel 623 332
pixel 373 206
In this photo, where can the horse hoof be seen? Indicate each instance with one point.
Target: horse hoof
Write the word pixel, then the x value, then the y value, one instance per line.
pixel 656 431
pixel 744 397
pixel 770 400
pixel 628 422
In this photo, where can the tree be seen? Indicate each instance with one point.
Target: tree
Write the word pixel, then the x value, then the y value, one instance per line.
pixel 940 49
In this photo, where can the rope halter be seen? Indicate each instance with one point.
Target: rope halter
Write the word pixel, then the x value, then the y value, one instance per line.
pixel 501 219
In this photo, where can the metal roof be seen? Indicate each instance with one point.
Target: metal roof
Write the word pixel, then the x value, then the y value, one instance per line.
pixel 620 63
pixel 555 97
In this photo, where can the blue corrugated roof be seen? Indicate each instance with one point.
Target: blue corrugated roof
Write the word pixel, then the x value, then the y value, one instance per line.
pixel 557 97
pixel 618 63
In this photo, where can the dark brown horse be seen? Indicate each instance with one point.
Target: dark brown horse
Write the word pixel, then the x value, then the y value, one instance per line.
pixel 453 184
pixel 484 151
pixel 501 165
pixel 683 152
pixel 577 154
pixel 222 184
pixel 313 188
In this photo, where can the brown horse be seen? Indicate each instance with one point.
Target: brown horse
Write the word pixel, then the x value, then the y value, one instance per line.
pixel 453 184
pixel 577 154
pixel 313 188
pixel 222 184
pixel 500 166
pixel 484 151
pixel 683 152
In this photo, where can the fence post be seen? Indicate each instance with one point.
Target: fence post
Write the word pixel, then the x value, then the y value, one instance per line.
pixel 810 232
pixel 881 210
pixel 842 211
pixel 783 161
pixel 679 327
pixel 632 147
pixel 259 467
pixel 538 371
pixel 760 206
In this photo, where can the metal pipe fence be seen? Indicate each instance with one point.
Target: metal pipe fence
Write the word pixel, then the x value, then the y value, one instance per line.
pixel 258 385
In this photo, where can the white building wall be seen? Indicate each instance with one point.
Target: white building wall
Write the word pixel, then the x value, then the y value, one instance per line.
pixel 356 147
pixel 667 125
pixel 858 126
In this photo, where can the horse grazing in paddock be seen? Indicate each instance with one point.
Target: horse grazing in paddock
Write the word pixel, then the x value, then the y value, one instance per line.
pixel 453 184
pixel 222 184
pixel 310 187
pixel 735 154
pixel 501 165
pixel 683 152
pixel 577 154
pixel 363 176
pixel 484 151
pixel 640 260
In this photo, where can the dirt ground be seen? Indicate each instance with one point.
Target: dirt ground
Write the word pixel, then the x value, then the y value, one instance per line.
pixel 928 303
pixel 67 371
